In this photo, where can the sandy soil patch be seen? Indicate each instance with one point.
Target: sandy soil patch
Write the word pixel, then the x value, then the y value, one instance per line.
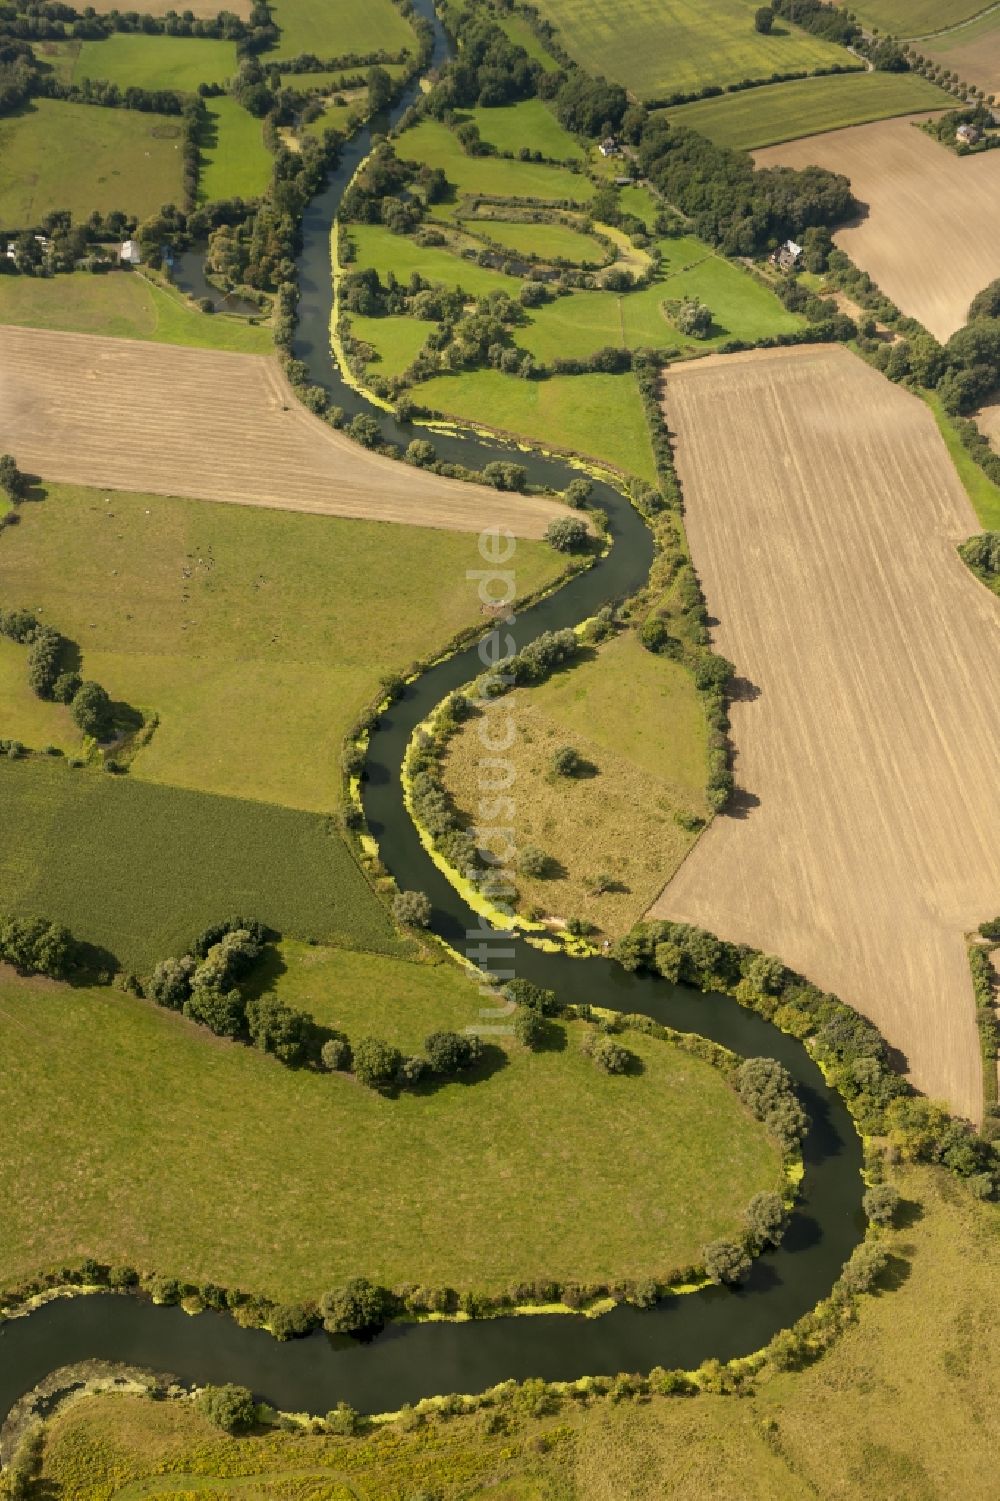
pixel 931 235
pixel 212 426
pixel 823 513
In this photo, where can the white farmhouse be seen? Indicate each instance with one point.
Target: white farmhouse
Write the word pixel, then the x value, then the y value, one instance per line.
pixel 129 253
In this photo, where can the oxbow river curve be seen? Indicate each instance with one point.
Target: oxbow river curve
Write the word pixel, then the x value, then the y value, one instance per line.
pixel 407 1362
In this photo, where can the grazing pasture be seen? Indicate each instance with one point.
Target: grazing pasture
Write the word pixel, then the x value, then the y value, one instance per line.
pixel 156 62
pixel 596 416
pixel 637 720
pixel 235 163
pixel 529 123
pixel 238 1197
pixel 194 612
pixel 124 305
pixel 522 35
pixel 656 51
pixel 822 512
pixel 358 26
pixel 971 50
pixel 930 236
pixel 89 411
pixel 396 340
pixel 55 155
pixel 807 106
pixel 437 146
pixel 139 869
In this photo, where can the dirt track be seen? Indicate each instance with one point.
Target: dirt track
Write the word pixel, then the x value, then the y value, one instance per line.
pixel 822 513
pixel 931 237
pixel 170 421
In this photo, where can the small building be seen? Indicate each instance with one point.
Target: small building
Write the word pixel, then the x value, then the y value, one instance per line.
pixel 130 254
pixel 608 147
pixel 786 257
pixel 967 135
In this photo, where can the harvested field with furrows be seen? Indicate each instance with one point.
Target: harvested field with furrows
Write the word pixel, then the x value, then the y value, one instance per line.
pixel 213 426
pixel 823 513
pixel 930 236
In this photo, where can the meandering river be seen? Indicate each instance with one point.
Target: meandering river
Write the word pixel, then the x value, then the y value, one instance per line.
pixel 409 1361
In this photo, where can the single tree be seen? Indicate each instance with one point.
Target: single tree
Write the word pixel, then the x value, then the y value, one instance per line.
pixel 763 20
pixel 567 534
pixel 376 1062
pixel 412 909
pixel 91 711
pixel 230 1407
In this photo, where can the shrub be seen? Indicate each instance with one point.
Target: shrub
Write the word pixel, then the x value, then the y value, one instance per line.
pixel 725 1261
pixel 91 711
pixel 170 983
pixel 356 1307
pixel 412 909
pixel 290 1321
pixel 342 1420
pixel 693 318
pixel 763 19
pixel 534 997
pixel 223 1012
pixel 35 946
pixel 420 453
pixel 567 534
pixel 566 762
pixel 577 493
pixel 532 861
pixel 868 1262
pixel 765 1217
pixel 276 1028
pixel 880 1203
pixel 451 1052
pixel 530 1028
pixel 229 1407
pixel 376 1062
pixel 608 1055
pixel 335 1054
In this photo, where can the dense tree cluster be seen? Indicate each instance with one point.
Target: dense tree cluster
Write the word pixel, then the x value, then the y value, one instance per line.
pixel 765 1087
pixel 831 22
pixel 37 946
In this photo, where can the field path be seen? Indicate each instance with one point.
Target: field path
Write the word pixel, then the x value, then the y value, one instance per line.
pixel 823 512
pixel 930 237
pixel 127 415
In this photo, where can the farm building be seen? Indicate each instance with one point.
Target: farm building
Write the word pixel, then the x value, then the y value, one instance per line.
pixel 609 146
pixel 787 255
pixel 967 135
pixel 130 253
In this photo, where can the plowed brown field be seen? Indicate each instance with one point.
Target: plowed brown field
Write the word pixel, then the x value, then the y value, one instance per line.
pixel 931 235
pixel 195 422
pixel 823 513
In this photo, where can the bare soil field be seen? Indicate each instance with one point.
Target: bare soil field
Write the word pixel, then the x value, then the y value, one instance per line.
pixel 931 235
pixel 193 422
pixel 988 422
pixel 823 513
pixel 972 50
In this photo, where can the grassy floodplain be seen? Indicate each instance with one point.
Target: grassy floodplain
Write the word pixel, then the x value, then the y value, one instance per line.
pixel 124 305
pixel 637 720
pixel 529 122
pixel 397 341
pixel 235 163
pixel 899 1407
pixel 555 242
pixel 196 611
pixel 377 246
pixel 138 869
pixel 156 62
pixel 235 1199
pixel 494 176
pixel 599 416
pixel 358 26
pixel 682 50
pixel 55 155
pixel 807 106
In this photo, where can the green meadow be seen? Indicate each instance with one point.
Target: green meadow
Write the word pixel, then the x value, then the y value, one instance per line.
pixel 379 247
pixel 522 35
pixel 156 62
pixel 906 18
pixel 555 242
pixel 211 1161
pixel 123 304
pixel 597 416
pixel 138 869
pixel 397 340
pixel 255 635
pixel 528 123
pixel 351 26
pixel 235 163
pixel 655 51
pixel 55 155
pixel 437 146
pixel 807 106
